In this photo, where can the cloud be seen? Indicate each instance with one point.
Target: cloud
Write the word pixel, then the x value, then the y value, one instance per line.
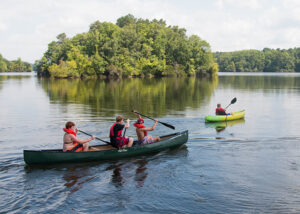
pixel 2 27
pixel 28 26
pixel 249 4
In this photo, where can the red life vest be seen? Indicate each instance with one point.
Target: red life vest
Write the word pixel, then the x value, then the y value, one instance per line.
pixel 78 146
pixel 220 111
pixel 111 132
pixel 69 131
pixel 140 126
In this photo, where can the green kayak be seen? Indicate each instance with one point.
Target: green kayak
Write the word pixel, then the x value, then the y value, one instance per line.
pixel 104 152
pixel 233 116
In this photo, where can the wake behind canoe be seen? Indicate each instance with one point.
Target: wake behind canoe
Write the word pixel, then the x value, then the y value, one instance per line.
pixel 234 116
pixel 105 152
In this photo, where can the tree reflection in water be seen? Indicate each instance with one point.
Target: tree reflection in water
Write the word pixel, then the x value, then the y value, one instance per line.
pixel 156 96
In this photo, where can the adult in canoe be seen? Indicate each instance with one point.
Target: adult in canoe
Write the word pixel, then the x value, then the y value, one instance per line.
pixel 141 131
pixel 115 134
pixel 71 142
pixel 220 110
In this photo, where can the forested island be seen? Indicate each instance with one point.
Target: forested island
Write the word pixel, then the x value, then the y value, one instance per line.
pixel 142 47
pixel 14 65
pixel 267 60
pixel 131 47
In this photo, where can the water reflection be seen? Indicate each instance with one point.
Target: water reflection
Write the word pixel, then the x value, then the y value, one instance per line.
pixel 156 96
pixel 116 177
pixel 73 175
pixel 221 126
pixel 254 82
pixel 73 178
pixel 140 173
pixel 5 77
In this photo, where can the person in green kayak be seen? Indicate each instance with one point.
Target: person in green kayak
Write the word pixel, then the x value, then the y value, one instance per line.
pixel 71 142
pixel 220 110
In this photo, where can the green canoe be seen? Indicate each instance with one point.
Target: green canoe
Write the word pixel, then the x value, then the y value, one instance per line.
pixel 233 116
pixel 104 152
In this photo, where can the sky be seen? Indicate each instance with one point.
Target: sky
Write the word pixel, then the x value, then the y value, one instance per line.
pixel 27 27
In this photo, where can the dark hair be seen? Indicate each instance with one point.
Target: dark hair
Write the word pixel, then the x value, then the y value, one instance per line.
pixel 119 118
pixel 69 124
pixel 218 105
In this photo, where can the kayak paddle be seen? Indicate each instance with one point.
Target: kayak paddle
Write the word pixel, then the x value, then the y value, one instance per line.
pixel 232 102
pixel 165 124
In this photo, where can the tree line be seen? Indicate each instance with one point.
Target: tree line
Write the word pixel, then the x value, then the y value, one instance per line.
pixel 131 47
pixel 14 65
pixel 267 60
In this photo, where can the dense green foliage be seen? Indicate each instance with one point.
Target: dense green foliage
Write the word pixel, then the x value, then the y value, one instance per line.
pixel 267 60
pixel 14 66
pixel 131 47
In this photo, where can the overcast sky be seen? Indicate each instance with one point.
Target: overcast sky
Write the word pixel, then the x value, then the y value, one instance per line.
pixel 27 27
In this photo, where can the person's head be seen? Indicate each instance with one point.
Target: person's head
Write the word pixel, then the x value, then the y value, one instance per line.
pixel 119 118
pixel 140 121
pixel 69 124
pixel 218 105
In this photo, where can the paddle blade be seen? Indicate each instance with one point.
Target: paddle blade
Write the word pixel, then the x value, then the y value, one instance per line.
pixel 233 100
pixel 167 125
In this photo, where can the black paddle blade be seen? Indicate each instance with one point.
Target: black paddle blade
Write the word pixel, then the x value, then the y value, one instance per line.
pixel 233 100
pixel 167 125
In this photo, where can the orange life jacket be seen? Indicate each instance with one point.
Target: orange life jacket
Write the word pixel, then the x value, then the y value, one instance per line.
pixel 76 146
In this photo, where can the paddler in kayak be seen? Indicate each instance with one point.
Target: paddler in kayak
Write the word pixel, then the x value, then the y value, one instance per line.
pixel 141 131
pixel 220 110
pixel 71 142
pixel 115 134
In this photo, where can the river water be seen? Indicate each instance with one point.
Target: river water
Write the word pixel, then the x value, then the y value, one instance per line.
pixel 247 166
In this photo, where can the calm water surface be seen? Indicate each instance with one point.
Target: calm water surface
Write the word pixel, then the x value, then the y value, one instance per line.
pixel 247 166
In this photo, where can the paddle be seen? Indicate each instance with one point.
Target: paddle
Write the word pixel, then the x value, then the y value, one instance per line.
pixel 165 124
pixel 95 137
pixel 232 102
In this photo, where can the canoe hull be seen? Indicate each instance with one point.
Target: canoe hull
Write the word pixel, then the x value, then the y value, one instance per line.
pixel 57 156
pixel 217 118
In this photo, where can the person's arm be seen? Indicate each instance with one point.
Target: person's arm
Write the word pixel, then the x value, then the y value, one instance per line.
pixel 150 129
pixel 127 125
pixel 73 138
pixel 224 111
pixel 134 111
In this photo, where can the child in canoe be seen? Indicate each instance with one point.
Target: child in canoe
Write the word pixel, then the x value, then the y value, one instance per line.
pixel 141 131
pixel 71 142
pixel 115 134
